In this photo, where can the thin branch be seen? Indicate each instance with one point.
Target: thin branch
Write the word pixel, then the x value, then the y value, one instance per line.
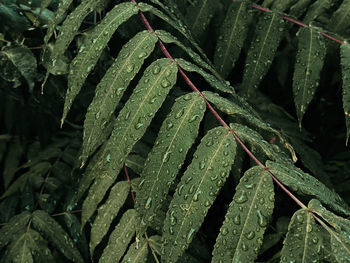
pixel 129 181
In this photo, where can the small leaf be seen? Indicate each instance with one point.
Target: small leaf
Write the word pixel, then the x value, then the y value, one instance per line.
pixel 12 160
pixel 137 253
pixel 318 9
pixel 197 190
pixel 51 230
pixel 92 48
pixel 232 35
pixel 213 81
pixel 303 238
pixel 112 86
pixel 308 66
pixel 17 62
pixel 299 8
pixel 107 212
pixel 246 219
pixel 135 162
pixel 120 238
pixel 19 250
pixel 176 136
pixel 198 16
pixel 268 34
pixel 345 63
pixel 17 224
pixel 130 126
pixel 305 184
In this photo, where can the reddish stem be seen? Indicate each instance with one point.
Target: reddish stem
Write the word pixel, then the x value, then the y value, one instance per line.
pixel 210 107
pixel 128 179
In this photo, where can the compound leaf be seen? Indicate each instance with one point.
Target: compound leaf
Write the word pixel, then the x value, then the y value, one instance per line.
pixel 268 34
pixel 92 48
pixel 107 212
pixel 112 86
pixel 130 126
pixel 232 35
pixel 120 237
pixel 308 66
pixel 51 230
pixel 247 217
pixel 197 190
pixel 303 241
pixel 176 136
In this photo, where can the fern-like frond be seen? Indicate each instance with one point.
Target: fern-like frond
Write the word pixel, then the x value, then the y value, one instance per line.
pixel 345 63
pixel 213 81
pixel 112 86
pixel 268 33
pixel 198 16
pixel 303 241
pixel 246 219
pixel 137 252
pixel 232 35
pixel 197 190
pixel 308 66
pixel 130 126
pixel 107 212
pixel 53 232
pixel 176 136
pixel 92 48
pixel 120 238
pixel 305 184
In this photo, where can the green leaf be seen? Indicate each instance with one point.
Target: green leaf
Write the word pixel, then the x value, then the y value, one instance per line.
pixel 299 8
pixel 246 219
pixel 345 63
pixel 16 225
pixel 17 62
pixel 107 212
pixel 282 5
pixel 198 16
pixel 12 160
pixel 308 66
pixel 197 191
pixel 176 136
pixel 340 20
pixel 305 184
pixel 59 16
pixel 120 237
pixel 268 34
pixel 232 35
pixel 130 126
pixel 168 38
pixel 51 230
pixel 137 252
pixel 318 9
pixel 112 86
pixel 212 80
pixel 92 48
pixel 135 162
pixel 303 241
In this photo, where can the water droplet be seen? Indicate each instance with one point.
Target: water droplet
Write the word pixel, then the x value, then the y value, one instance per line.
pixel 250 235
pixel 138 125
pixel 196 196
pixel 187 97
pixel 179 114
pixel 173 219
pixel 156 69
pixel 244 247
pixel 262 221
pixel 308 228
pixel 165 83
pixel 237 219
pixel 202 164
pixel 191 190
pixel 169 125
pixel 166 156
pixel 300 218
pixel 224 231
pixel 190 235
pixel 193 118
pixel 148 203
pixel 130 68
pixel 242 198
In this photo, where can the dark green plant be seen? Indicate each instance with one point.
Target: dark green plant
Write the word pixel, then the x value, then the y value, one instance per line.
pixel 171 143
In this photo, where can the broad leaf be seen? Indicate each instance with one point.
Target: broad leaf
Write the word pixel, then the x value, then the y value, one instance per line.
pixel 268 34
pixel 246 219
pixel 232 35
pixel 120 238
pixel 137 253
pixel 111 88
pixel 92 48
pixel 107 213
pixel 130 126
pixel 176 136
pixel 308 66
pixel 197 191
pixel 303 241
